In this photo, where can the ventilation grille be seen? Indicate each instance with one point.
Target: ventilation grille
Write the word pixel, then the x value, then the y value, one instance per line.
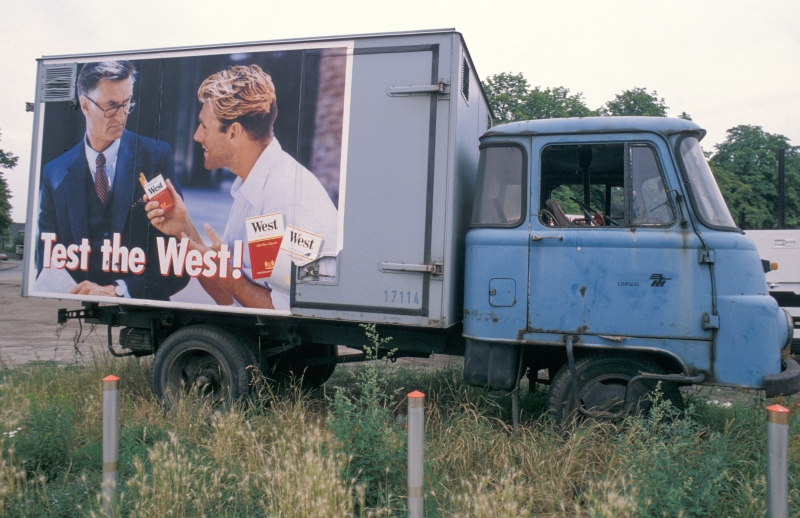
pixel 59 82
pixel 465 79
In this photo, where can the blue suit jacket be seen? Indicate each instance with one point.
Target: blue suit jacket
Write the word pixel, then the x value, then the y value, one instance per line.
pixel 63 209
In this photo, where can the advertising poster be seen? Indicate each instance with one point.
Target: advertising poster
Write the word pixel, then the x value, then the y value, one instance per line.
pixel 194 179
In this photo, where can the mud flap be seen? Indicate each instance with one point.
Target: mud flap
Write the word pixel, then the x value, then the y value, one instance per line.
pixel 493 365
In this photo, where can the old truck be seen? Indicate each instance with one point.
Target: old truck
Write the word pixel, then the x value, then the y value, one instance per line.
pixel 447 234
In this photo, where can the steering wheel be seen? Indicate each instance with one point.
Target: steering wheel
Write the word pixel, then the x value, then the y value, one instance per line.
pixel 587 211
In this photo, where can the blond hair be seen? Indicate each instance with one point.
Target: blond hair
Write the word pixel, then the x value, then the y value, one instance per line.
pixel 242 94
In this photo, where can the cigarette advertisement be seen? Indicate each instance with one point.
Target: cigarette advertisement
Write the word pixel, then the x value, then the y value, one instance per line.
pixel 194 179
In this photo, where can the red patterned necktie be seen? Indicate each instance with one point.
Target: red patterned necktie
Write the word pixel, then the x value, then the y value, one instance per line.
pixel 101 185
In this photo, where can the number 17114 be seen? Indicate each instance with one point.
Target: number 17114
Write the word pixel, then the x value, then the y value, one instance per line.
pixel 402 297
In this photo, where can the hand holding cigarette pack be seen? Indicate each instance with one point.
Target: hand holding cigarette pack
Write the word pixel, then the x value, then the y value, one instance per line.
pixel 156 190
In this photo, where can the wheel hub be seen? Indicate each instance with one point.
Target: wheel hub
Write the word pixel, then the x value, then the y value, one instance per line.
pixel 198 372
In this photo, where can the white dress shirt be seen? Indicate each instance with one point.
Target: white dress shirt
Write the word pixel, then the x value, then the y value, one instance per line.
pixel 277 183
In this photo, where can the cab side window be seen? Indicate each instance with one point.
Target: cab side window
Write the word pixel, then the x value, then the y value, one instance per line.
pixel 501 191
pixel 603 185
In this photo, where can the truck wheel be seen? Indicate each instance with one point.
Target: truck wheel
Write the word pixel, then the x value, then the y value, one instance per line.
pixel 295 363
pixel 602 379
pixel 203 360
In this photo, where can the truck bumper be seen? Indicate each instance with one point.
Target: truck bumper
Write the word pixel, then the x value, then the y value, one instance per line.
pixel 785 383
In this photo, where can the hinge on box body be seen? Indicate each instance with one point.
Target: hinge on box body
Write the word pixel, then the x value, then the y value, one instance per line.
pixel 311 271
pixel 706 256
pixel 710 321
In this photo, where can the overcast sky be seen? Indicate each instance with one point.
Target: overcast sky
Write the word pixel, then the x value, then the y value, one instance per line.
pixel 724 62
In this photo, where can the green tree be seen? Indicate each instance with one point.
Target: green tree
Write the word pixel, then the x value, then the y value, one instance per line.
pixel 746 168
pixel 7 161
pixel 506 93
pixel 513 99
pixel 636 102
pixel 554 103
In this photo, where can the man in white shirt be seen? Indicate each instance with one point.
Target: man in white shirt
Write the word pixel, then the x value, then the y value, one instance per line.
pixel 235 130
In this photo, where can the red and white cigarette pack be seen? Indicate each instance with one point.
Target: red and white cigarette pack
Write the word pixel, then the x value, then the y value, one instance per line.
pixel 264 236
pixel 156 190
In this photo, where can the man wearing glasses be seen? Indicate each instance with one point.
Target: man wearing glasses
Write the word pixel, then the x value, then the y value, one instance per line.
pixel 92 192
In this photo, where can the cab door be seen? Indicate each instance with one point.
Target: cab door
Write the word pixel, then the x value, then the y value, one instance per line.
pixel 496 276
pixel 619 263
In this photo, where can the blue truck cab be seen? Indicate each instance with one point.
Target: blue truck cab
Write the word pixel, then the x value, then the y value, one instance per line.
pixel 602 250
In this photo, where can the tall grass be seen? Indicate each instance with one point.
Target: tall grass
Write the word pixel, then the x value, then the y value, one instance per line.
pixel 339 451
pixel 363 426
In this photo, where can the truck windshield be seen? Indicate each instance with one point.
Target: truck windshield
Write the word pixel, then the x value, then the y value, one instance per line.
pixel 705 194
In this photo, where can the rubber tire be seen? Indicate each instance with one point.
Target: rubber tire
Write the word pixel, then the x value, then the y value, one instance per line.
pixel 199 350
pixel 605 375
pixel 293 364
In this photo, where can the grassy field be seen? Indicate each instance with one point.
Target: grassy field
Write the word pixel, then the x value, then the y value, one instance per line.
pixel 340 451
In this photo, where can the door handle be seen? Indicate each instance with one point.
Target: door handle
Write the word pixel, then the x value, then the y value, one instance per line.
pixel 442 88
pixel 435 268
pixel 538 238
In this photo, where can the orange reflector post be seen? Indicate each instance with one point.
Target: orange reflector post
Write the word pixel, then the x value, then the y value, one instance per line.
pixel 777 461
pixel 778 414
pixel 110 445
pixel 416 460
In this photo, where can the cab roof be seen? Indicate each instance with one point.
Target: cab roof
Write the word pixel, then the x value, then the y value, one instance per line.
pixel 577 125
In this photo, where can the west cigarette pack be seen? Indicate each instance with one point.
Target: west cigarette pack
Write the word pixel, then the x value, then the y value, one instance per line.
pixel 302 245
pixel 156 190
pixel 264 236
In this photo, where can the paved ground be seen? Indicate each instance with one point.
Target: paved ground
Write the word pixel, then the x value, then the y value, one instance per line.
pixel 28 327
